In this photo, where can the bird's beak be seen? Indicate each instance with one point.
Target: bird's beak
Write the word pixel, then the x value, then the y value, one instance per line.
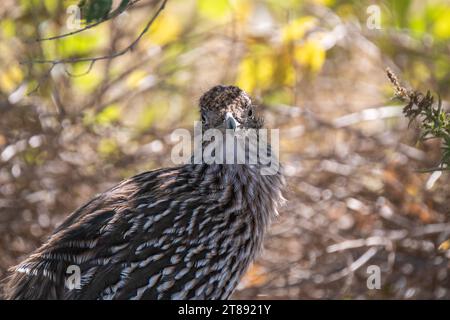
pixel 231 122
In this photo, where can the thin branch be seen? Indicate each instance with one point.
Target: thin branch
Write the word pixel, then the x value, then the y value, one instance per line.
pixel 362 260
pixel 112 15
pixel 43 78
pixel 105 57
pixel 358 243
pixel 91 65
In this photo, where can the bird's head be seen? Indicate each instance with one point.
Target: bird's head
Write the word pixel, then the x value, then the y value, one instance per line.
pixel 228 107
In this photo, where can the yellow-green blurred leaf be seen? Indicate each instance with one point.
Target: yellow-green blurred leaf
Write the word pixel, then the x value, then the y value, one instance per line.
pixel 8 28
pixel 29 4
pixel 323 2
pixel 421 71
pixel 82 44
pixel 400 11
pixel 284 73
pixel 241 10
pixel 135 78
pixel 283 96
pixel 256 72
pixel 217 9
pixel 108 147
pixel 296 29
pixel 51 5
pixel 88 82
pixel 441 28
pixel 108 115
pixel 310 54
pixel 11 78
pixel 151 115
pixel 345 10
pixel 442 65
pixel 418 24
pixel 34 156
pixel 165 29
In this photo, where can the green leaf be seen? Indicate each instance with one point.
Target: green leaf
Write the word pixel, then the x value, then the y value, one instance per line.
pixel 400 10
pixel 95 10
pixel 123 5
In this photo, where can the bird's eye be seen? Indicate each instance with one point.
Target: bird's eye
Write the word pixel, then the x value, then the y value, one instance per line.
pixel 250 112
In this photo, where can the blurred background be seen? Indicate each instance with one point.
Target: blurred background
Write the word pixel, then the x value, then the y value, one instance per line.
pixel 71 126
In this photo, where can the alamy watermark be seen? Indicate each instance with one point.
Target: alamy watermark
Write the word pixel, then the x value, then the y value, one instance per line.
pixel 73 21
pixel 374 278
pixel 373 21
pixel 230 146
pixel 73 280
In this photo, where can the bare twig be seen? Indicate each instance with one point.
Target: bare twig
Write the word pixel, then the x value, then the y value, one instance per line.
pixel 91 65
pixel 105 57
pixel 362 260
pixel 112 15
pixel 43 78
pixel 358 243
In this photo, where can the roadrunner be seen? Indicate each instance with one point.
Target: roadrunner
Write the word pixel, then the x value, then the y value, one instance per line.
pixel 187 232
